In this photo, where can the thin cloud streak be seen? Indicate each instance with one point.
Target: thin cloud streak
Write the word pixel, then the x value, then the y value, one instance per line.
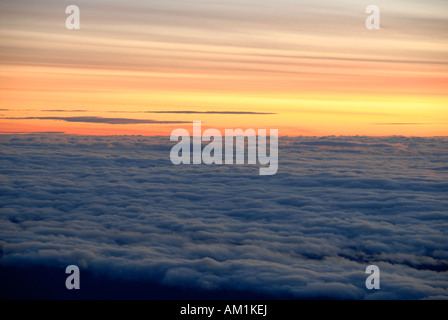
pixel 198 112
pixel 213 112
pixel 60 110
pixel 35 132
pixel 99 120
pixel 399 124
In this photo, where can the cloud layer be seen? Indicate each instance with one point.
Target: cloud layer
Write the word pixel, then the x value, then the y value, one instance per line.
pixel 117 206
pixel 211 112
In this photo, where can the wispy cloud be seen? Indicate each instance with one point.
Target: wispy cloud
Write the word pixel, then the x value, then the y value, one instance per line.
pixel 197 112
pixel 61 110
pixel 33 132
pixel 398 124
pixel 99 120
pixel 212 112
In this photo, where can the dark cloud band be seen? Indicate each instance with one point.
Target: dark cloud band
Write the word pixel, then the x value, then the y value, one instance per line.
pixel 99 120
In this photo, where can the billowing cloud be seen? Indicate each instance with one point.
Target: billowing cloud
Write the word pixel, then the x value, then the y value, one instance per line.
pixel 117 206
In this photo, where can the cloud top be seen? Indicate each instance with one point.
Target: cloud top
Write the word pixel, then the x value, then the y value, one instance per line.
pixel 117 206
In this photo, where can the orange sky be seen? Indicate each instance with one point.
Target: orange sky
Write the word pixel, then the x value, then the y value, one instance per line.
pixel 313 67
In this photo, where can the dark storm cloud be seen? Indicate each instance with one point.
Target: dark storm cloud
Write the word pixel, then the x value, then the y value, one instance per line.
pixel 118 206
pixel 98 120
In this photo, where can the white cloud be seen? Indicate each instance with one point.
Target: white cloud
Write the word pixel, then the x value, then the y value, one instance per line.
pixel 117 206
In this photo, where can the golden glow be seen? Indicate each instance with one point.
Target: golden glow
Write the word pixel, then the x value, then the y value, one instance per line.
pixel 324 82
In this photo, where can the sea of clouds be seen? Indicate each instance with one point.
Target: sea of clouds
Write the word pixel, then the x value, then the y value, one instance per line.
pixel 118 206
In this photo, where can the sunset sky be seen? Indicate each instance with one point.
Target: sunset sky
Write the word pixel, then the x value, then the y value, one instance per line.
pixel 147 67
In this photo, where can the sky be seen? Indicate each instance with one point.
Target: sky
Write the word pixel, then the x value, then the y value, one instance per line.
pixel 307 68
pixel 86 176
